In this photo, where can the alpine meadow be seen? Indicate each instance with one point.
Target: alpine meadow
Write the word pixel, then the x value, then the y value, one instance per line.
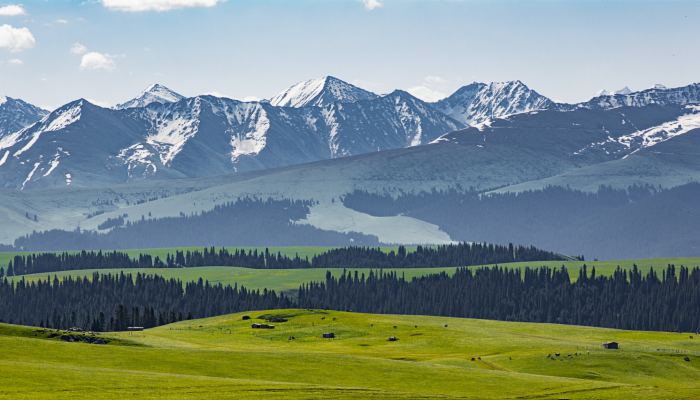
pixel 350 199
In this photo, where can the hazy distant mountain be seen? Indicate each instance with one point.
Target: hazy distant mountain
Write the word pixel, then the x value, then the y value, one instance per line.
pixel 16 114
pixel 476 103
pixel 321 92
pixel 659 94
pixel 155 93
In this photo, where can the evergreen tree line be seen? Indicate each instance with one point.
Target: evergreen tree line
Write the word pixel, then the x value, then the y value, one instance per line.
pixel 451 255
pixel 625 300
pixel 439 256
pixel 115 302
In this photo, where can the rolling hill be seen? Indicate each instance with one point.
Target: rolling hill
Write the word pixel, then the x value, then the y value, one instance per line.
pixel 433 357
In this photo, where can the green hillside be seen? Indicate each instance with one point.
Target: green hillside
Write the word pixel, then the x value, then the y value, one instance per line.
pixel 289 279
pixel 434 357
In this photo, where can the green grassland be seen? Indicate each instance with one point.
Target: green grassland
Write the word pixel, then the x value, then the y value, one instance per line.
pixel 290 279
pixel 434 357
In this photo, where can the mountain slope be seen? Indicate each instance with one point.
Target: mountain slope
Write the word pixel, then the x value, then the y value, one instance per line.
pixel 16 114
pixel 321 92
pixel 76 141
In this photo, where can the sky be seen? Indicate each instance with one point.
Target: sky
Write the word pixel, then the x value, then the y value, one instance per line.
pixel 107 51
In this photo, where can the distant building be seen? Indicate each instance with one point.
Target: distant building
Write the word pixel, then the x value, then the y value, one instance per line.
pixel 611 345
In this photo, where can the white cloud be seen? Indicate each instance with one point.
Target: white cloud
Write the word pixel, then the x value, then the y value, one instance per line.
pixel 426 94
pixel 16 39
pixel 372 4
pixel 103 104
pixel 78 48
pixel 97 61
pixel 61 21
pixel 12 10
pixel 15 61
pixel 157 5
pixel 435 79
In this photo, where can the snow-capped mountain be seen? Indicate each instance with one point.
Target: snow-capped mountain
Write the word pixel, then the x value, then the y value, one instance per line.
pixel 81 144
pixel 16 114
pixel 155 93
pixel 477 103
pixel 162 135
pixel 659 94
pixel 321 92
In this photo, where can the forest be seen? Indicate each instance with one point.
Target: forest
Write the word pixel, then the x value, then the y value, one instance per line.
pixel 668 301
pixel 115 302
pixel 664 301
pixel 452 255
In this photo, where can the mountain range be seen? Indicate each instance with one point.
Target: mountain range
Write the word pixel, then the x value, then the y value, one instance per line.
pixel 160 134
pixel 163 155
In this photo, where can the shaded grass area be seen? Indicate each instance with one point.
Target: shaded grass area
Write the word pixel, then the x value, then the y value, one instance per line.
pixel 223 357
pixel 7 330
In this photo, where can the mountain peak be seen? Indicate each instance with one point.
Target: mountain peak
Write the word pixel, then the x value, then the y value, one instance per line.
pixel 155 93
pixel 624 91
pixel 478 102
pixel 16 114
pixel 320 92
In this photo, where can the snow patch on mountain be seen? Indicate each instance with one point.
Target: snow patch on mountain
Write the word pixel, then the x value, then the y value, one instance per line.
pixel 67 117
pixel 320 92
pixel 629 144
pixel 155 93
pixel 254 140
pixel 30 175
pixel 51 123
pixel 10 140
pixel 56 160
pixel 138 160
pixel 173 130
pixel 658 134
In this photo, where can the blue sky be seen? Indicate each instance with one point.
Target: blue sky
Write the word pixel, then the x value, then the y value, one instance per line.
pixel 567 50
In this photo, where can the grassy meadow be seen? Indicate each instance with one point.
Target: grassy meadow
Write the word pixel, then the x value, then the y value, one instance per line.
pixel 434 357
pixel 290 279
